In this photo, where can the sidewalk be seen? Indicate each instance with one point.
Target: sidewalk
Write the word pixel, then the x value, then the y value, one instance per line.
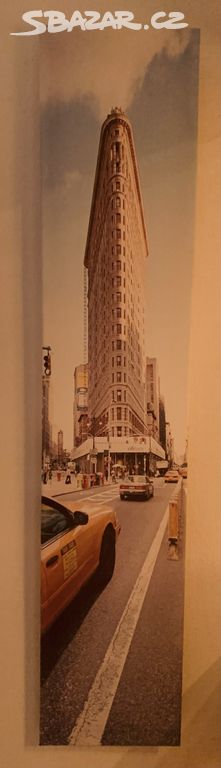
pixel 56 487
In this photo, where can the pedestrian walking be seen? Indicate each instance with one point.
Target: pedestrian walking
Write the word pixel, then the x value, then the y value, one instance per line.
pixel 68 477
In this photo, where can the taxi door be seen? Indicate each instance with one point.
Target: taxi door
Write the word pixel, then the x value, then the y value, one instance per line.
pixel 66 562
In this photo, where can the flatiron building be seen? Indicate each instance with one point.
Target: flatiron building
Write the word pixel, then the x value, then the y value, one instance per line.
pixel 115 256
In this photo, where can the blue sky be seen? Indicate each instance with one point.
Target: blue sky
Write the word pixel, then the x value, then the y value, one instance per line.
pixel 159 95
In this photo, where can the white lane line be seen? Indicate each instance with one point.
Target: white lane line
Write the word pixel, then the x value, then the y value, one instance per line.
pixel 100 498
pixel 91 722
pixel 103 494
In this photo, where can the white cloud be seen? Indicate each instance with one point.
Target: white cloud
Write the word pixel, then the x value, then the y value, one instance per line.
pixel 109 66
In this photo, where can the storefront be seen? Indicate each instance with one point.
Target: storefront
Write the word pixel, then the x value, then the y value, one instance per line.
pixel 136 454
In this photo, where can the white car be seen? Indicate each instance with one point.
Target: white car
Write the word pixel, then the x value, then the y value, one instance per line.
pixel 136 485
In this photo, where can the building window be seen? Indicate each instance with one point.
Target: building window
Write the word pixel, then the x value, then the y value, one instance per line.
pixel 119 431
pixel 112 378
pixel 125 414
pixel 118 281
pixel 125 430
pixel 112 346
pixel 118 202
pixel 112 431
pixel 118 186
pixel 118 311
pixel 119 328
pixel 119 345
pixel 113 394
pixel 118 295
pixel 118 377
pixel 119 412
pixel 125 395
pixel 125 377
pixel 118 248
pixel 119 394
pixel 112 411
pixel 118 234
pixel 118 359
pixel 112 362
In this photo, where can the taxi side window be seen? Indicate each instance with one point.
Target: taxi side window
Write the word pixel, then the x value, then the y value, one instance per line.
pixel 53 522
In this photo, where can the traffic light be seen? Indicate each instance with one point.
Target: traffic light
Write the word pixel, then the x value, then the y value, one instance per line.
pixel 47 364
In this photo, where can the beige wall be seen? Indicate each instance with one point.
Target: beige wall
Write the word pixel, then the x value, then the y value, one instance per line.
pixel 21 425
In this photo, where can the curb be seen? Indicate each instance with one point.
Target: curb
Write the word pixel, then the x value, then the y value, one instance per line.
pixel 55 492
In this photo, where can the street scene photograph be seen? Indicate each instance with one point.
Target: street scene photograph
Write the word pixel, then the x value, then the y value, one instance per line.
pixel 118 155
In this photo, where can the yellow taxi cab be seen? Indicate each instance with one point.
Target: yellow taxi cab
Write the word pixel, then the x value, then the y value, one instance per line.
pixel 74 544
pixel 171 476
pixel 183 472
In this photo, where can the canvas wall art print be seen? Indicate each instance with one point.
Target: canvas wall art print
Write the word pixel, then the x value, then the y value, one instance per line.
pixel 118 151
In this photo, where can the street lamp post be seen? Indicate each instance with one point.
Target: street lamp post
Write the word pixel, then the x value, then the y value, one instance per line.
pixel 108 458
pixel 92 425
pixel 113 402
pixel 150 409
pixel 108 447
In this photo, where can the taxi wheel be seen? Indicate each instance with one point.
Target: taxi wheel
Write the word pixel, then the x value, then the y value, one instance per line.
pixel 107 557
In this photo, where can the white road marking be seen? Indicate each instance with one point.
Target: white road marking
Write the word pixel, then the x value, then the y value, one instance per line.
pixel 90 724
pixel 102 498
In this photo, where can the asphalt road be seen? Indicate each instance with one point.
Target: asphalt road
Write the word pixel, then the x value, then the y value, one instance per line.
pixel 122 654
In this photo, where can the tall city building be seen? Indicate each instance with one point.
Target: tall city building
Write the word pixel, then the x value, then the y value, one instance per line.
pixel 60 445
pixel 115 256
pixel 162 422
pixel 169 444
pixel 152 394
pixel 80 408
